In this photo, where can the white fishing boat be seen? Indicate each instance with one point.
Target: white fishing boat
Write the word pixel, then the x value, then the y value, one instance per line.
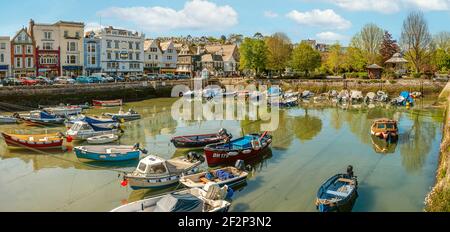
pixel 64 110
pixel 229 176
pixel 156 172
pixel 130 115
pixel 7 119
pixel 211 199
pixel 83 130
pixel 103 139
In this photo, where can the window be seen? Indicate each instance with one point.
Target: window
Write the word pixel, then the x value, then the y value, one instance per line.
pixel 18 49
pixel 77 34
pixel 91 47
pixel 153 49
pixel 169 50
pixel 29 62
pixel 66 33
pixel 71 59
pixel 93 60
pixel 130 56
pixel 138 56
pixel 29 49
pixel 109 56
pixel 149 57
pixel 169 57
pixel 47 35
pixel 130 45
pixel 18 62
pixel 135 66
pixel 116 44
pixel 167 65
pixel 108 43
pixel 2 58
pixel 3 46
pixel 138 45
pixel 47 46
pixel 71 46
pixel 117 55
pixel 156 57
pixel 142 167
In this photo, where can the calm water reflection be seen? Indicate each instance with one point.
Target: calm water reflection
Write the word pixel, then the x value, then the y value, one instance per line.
pixel 311 143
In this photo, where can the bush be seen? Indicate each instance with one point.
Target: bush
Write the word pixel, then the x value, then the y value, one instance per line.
pixel 416 75
pixel 363 75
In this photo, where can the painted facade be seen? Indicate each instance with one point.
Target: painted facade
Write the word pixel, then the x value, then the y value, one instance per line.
pixel 71 47
pixel 168 63
pixel 92 54
pixel 5 57
pixel 23 62
pixel 153 56
pixel 47 50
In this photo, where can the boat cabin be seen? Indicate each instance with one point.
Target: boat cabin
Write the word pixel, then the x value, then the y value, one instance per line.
pixel 385 125
pixel 152 165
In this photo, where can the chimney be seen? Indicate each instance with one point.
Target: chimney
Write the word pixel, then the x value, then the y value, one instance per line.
pixel 31 29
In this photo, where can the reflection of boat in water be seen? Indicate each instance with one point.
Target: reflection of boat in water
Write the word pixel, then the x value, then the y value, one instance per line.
pixel 385 128
pixel 338 193
pixel 382 146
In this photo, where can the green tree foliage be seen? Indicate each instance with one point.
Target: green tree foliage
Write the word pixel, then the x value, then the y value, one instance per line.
pixel 416 41
pixel 388 47
pixel 369 40
pixel 305 58
pixel 279 51
pixel 334 60
pixel 253 55
pixel 355 60
pixel 441 60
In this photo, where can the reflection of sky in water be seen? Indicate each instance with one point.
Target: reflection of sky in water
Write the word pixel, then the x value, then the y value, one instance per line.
pixel 309 145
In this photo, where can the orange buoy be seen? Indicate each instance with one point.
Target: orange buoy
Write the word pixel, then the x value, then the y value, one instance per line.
pixel 69 139
pixel 124 183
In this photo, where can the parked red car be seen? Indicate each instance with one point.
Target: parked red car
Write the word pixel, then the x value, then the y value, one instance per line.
pixel 28 81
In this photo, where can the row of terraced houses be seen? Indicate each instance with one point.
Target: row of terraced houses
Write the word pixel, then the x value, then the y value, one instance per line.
pixel 65 49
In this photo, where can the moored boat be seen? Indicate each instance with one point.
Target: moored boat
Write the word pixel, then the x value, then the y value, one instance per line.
pixel 103 139
pixel 64 111
pixel 243 148
pixel 385 128
pixel 42 118
pixel 130 115
pixel 156 172
pixel 107 103
pixel 229 176
pixel 36 141
pixel 109 153
pixel 338 193
pixel 201 140
pixel 83 130
pixel 189 200
pixel 93 120
pixel 7 119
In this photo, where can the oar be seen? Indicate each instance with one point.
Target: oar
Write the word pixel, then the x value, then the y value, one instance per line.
pixel 263 135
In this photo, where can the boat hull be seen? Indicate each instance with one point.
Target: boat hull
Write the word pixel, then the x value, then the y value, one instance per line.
pixel 111 103
pixel 81 154
pixel 180 142
pixel 90 134
pixel 136 183
pixel 12 141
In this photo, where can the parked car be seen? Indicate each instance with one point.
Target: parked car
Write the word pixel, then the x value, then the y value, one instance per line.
pixel 28 81
pixel 152 77
pixel 131 78
pixel 170 76
pixel 119 78
pixel 183 76
pixel 84 80
pixel 64 80
pixel 103 76
pixel 162 77
pixel 44 80
pixel 97 79
pixel 10 81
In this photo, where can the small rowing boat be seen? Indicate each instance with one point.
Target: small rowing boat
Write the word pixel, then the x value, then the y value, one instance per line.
pixel 156 172
pixel 103 139
pixel 109 153
pixel 201 140
pixel 189 200
pixel 243 148
pixel 108 103
pixel 229 176
pixel 38 141
pixel 338 193
pixel 385 129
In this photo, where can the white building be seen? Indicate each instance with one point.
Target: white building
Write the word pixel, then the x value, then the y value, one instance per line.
pixel 5 57
pixel 122 51
pixel 153 56
pixel 169 57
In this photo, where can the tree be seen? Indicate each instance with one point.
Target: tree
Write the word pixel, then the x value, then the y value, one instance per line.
pixel 223 39
pixel 354 60
pixel 388 47
pixel 258 36
pixel 442 41
pixel 334 60
pixel 441 60
pixel 369 40
pixel 416 40
pixel 305 58
pixel 235 39
pixel 279 51
pixel 253 55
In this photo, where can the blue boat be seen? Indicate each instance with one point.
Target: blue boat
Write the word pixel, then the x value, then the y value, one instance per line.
pixel 338 194
pixel 98 122
pixel 43 118
pixel 405 99
pixel 109 153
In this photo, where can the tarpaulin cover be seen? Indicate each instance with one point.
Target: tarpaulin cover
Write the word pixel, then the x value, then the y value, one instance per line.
pixel 179 203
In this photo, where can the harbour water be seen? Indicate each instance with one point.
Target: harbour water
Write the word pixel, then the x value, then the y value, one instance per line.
pixel 311 143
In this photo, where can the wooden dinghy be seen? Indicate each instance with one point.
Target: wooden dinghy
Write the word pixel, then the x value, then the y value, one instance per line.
pixel 385 129
pixel 40 141
pixel 201 140
pixel 103 139
pixel 229 176
pixel 156 172
pixel 189 200
pixel 109 153
pixel 243 148
pixel 108 103
pixel 338 193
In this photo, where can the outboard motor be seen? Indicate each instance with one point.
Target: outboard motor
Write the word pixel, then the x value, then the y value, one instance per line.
pixel 223 131
pixel 193 156
pixel 350 171
pixel 240 165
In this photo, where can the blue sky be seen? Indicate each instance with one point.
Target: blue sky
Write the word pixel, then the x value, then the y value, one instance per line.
pixel 324 20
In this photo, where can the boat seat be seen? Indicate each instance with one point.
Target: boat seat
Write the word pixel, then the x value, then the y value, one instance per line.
pixel 336 193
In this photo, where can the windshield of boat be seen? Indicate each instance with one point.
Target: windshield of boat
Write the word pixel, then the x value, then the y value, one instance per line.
pixel 142 167
pixel 390 126
pixel 76 127
pixel 380 126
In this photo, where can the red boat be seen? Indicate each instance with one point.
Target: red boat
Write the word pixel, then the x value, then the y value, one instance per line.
pixel 43 141
pixel 244 148
pixel 192 141
pixel 108 103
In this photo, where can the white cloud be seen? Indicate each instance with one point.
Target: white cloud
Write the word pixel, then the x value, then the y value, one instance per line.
pixel 329 36
pixel 196 15
pixel 392 6
pixel 92 26
pixel 270 14
pixel 321 18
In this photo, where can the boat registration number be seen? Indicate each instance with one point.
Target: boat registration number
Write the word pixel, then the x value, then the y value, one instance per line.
pixel 220 155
